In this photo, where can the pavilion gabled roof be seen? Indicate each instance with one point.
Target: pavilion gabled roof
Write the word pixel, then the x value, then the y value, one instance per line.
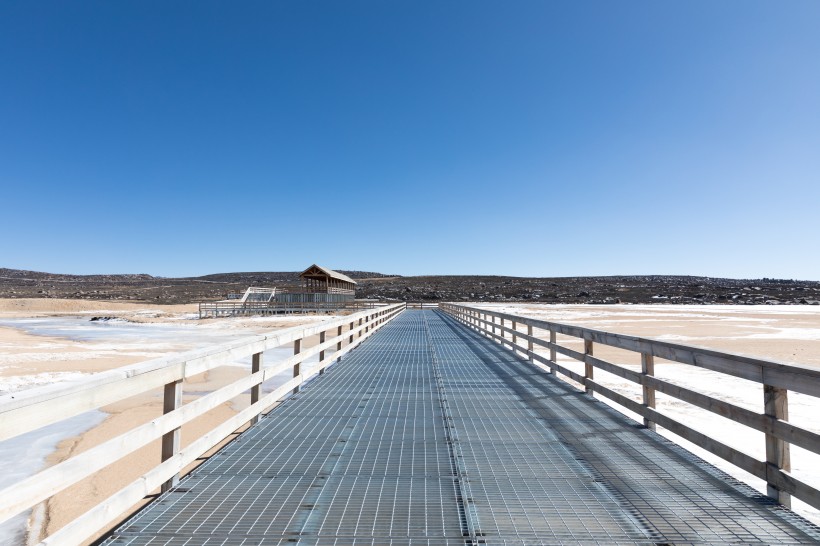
pixel 316 270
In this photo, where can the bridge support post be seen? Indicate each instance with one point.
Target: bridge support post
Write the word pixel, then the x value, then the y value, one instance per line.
pixel 553 352
pixel 297 368
pixel 172 400
pixel 321 353
pixel 256 365
pixel 589 369
pixel 529 342
pixel 778 454
pixel 648 368
pixel 514 336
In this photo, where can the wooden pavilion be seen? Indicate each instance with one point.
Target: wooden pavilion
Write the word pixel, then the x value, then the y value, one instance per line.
pixel 320 280
pixel 324 290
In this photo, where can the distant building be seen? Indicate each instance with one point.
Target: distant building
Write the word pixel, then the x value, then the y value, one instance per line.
pixel 322 286
pixel 324 290
pixel 320 280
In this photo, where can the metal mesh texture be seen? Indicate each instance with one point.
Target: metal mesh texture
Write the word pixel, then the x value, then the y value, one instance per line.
pixel 429 433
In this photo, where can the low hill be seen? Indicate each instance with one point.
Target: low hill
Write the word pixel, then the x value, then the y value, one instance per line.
pixel 614 289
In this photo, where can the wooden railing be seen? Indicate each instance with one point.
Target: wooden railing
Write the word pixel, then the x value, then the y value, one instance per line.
pixel 236 307
pixel 777 380
pixel 35 408
pixel 422 305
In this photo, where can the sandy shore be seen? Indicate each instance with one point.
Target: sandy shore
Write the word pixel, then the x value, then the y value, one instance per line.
pixel 785 333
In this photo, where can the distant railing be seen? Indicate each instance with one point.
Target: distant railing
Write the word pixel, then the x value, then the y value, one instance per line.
pixel 35 408
pixel 777 379
pixel 422 305
pixel 289 303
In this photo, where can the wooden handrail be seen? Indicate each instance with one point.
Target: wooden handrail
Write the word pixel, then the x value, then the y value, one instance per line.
pixel 777 379
pixel 35 408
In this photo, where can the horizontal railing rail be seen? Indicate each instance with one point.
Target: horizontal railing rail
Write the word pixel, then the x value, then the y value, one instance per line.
pixel 225 308
pixel 777 379
pixel 422 305
pixel 35 408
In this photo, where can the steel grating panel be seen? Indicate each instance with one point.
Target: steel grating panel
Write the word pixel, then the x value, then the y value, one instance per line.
pixel 429 433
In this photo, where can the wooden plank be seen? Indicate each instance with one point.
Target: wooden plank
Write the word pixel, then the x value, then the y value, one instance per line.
pixel 792 486
pixel 589 369
pixel 529 341
pixel 172 400
pixel 558 368
pixel 776 405
pixel 648 391
pixel 256 366
pixel 322 352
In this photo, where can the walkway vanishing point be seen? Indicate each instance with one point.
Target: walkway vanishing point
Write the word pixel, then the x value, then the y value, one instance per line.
pixel 430 433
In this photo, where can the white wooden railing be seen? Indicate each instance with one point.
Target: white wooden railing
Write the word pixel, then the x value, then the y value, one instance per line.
pixel 35 408
pixel 777 379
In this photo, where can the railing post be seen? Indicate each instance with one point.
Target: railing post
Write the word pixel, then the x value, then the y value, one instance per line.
pixel 514 336
pixel 778 454
pixel 553 352
pixel 339 335
pixel 588 368
pixel 172 400
pixel 256 365
pixel 501 330
pixel 297 368
pixel 529 342
pixel 321 353
pixel 360 331
pixel 648 368
pixel 351 333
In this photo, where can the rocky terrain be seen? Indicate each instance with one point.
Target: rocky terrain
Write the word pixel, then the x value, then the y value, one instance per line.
pixel 16 283
pixel 626 289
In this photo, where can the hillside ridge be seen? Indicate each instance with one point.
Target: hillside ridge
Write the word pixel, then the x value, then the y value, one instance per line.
pixel 16 283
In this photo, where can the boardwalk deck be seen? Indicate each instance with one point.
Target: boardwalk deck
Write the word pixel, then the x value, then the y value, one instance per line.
pixel 431 434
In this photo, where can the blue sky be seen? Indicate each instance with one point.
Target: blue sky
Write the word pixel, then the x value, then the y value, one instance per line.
pixel 465 137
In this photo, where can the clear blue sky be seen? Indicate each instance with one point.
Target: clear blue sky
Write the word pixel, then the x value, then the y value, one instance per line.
pixel 527 138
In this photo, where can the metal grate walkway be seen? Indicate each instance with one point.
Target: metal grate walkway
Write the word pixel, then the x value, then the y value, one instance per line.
pixel 431 434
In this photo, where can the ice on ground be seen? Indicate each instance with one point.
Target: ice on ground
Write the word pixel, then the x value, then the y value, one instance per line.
pixel 14 383
pixel 25 455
